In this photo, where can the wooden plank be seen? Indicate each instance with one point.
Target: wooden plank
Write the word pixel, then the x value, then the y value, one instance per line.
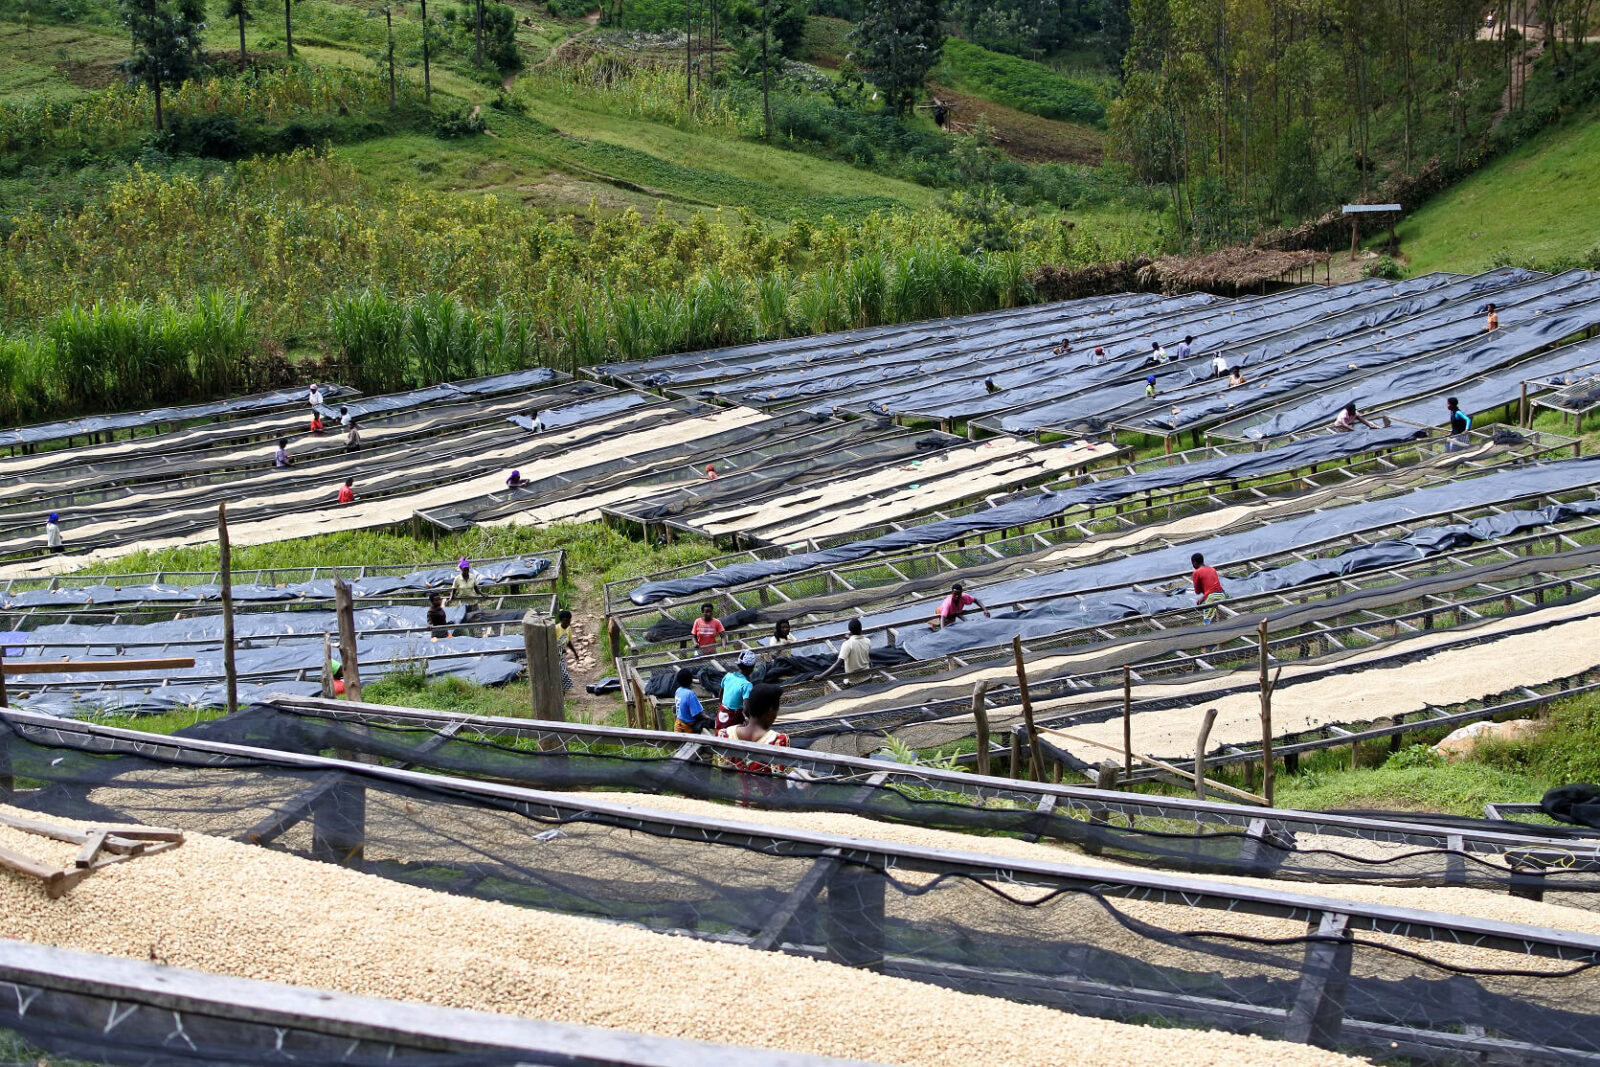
pixel 91 849
pixel 96 666
pixel 30 866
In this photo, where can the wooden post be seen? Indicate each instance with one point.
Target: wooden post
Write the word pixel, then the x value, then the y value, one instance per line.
pixel 1035 766
pixel 225 576
pixel 544 667
pixel 1268 774
pixel 1200 753
pixel 639 716
pixel 4 702
pixel 1127 721
pixel 980 716
pixel 614 630
pixel 327 667
pixel 1522 408
pixel 345 605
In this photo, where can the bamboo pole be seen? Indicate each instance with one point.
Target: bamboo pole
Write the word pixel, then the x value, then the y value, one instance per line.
pixel 1035 766
pixel 1200 753
pixel 1127 721
pixel 1268 771
pixel 230 669
pixel 345 606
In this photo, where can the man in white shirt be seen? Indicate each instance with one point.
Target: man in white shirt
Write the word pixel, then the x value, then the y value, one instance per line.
pixel 1185 348
pixel 855 655
pixel 314 397
pixel 1219 366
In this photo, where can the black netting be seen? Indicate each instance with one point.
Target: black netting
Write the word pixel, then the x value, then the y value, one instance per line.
pixel 817 785
pixel 1148 948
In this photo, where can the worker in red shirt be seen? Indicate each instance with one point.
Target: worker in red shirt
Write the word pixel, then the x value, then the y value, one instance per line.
pixel 347 491
pixel 707 629
pixel 1207 587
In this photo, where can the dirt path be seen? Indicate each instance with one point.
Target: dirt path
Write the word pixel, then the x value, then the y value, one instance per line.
pixel 593 662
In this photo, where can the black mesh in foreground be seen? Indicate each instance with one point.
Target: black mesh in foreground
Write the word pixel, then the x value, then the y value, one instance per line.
pixel 899 794
pixel 64 1008
pixel 1151 947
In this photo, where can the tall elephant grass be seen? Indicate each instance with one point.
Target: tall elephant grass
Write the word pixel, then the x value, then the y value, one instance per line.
pixel 388 343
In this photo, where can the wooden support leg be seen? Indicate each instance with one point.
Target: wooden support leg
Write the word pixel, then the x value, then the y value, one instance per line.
pixel 855 917
pixel 1318 1012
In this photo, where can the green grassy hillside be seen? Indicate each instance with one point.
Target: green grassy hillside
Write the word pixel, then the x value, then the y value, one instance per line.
pixel 1538 203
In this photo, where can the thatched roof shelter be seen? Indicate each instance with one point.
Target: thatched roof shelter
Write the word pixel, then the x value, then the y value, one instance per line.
pixel 1235 270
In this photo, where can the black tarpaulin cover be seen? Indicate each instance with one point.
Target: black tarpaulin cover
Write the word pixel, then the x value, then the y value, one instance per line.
pixel 1036 507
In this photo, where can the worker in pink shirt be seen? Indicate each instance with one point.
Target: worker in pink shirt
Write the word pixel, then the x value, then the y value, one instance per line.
pixel 953 608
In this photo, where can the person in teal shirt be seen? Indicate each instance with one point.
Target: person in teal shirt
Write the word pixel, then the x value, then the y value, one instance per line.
pixel 736 686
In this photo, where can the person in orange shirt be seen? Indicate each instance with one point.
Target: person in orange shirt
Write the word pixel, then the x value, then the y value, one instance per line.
pixel 316 422
pixel 1493 322
pixel 347 491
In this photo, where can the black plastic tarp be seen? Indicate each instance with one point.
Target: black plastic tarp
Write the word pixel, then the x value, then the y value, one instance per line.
pixel 750 358
pixel 1421 341
pixel 1036 507
pixel 996 348
pixel 1160 564
pixel 1569 364
pixel 446 393
pixel 489 575
pixel 1506 345
pixel 584 410
pixel 1098 608
pixel 1348 322
pixel 244 405
pixel 1126 353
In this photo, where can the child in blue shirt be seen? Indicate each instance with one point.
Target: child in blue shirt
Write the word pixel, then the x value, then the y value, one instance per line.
pixel 689 716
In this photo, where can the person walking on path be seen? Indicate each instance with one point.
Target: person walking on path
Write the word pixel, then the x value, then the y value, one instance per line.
pixel 855 655
pixel 707 630
pixel 437 620
pixel 735 690
pixel 280 458
pixel 1185 348
pixel 352 437
pixel 953 608
pixel 347 491
pixel 1207 588
pixel 345 418
pixel 1493 320
pixel 688 714
pixel 1219 365
pixel 314 395
pixel 52 534
pixel 315 427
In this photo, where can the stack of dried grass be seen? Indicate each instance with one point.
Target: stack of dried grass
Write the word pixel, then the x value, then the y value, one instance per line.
pixel 1237 269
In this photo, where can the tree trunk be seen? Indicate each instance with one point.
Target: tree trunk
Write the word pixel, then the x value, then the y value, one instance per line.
pixel 243 56
pixel 478 32
pixel 388 20
pixel 427 78
pixel 288 30
pixel 766 101
pixel 155 83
